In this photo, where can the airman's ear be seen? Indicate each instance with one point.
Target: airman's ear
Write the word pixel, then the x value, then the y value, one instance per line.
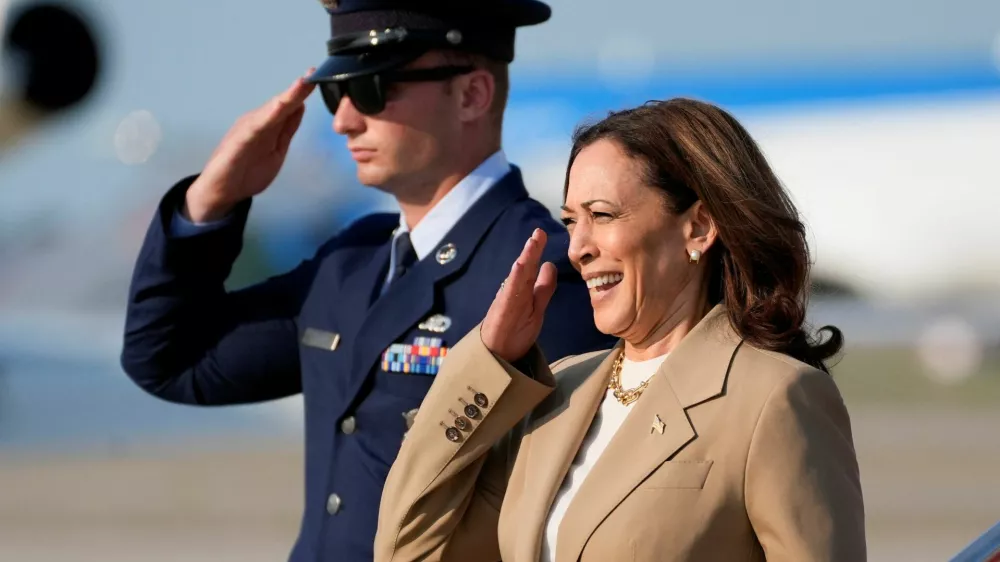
pixel 475 94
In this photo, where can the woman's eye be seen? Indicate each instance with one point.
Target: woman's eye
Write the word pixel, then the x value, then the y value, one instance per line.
pixel 567 221
pixel 601 217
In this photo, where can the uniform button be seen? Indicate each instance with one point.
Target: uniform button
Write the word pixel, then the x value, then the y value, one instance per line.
pixel 348 425
pixel 453 435
pixel 472 411
pixel 462 423
pixel 481 400
pixel 333 504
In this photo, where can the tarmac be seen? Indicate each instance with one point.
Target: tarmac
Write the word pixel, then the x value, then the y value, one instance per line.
pixel 929 478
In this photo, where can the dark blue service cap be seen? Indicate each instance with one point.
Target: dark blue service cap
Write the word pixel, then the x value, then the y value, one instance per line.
pixel 370 36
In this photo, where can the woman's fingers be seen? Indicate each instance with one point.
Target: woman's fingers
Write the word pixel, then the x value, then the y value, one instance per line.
pixel 533 248
pixel 514 281
pixel 515 317
pixel 517 295
pixel 528 261
pixel 545 287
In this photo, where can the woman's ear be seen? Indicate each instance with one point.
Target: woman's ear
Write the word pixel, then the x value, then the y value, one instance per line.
pixel 700 229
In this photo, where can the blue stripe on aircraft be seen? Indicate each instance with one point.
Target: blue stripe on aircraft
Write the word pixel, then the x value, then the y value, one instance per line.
pixel 553 103
pixel 765 88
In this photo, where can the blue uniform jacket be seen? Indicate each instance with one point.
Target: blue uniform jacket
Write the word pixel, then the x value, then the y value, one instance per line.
pixel 322 329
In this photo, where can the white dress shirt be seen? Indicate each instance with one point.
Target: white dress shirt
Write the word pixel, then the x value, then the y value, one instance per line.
pixel 430 232
pixel 609 418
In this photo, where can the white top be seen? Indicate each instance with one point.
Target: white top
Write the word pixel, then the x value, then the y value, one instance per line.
pixel 609 418
pixel 436 224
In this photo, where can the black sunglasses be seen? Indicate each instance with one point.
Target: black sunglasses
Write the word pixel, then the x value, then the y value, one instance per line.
pixel 368 93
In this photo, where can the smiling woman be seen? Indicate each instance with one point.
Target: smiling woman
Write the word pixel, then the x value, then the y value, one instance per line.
pixel 710 432
pixel 651 188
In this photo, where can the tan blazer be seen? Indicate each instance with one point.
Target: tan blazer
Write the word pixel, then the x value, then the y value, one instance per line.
pixel 755 461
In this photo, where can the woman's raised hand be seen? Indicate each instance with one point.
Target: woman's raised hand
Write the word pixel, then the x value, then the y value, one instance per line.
pixel 514 320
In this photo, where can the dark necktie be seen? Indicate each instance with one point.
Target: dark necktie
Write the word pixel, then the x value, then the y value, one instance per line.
pixel 405 256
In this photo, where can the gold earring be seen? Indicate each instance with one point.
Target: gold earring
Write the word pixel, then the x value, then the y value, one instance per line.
pixel 695 255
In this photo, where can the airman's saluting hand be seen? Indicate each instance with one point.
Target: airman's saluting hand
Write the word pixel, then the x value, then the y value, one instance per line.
pixel 249 156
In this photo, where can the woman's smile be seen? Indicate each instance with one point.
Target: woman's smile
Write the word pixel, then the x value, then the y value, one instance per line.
pixel 602 284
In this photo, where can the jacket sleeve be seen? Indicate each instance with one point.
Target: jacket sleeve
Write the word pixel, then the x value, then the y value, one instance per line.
pixel 187 339
pixel 443 494
pixel 803 486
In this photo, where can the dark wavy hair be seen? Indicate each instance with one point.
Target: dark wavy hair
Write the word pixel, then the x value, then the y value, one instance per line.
pixel 759 264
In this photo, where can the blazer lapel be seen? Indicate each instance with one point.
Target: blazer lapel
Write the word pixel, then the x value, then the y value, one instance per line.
pixel 556 435
pixel 635 451
pixel 694 372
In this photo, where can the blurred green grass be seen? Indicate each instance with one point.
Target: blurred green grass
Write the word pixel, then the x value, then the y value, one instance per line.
pixel 897 376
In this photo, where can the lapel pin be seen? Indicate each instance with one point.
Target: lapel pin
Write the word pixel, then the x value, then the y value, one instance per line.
pixel 658 425
pixel 439 324
pixel 446 253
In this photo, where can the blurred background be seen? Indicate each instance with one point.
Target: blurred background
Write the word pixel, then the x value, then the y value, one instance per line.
pixel 882 118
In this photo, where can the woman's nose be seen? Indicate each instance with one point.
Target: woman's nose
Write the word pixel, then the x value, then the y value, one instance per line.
pixel 581 248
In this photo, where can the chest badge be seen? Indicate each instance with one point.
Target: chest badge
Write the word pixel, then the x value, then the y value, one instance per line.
pixel 447 253
pixel 439 324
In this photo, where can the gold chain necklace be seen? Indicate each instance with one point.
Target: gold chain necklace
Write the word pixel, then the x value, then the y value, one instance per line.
pixel 625 396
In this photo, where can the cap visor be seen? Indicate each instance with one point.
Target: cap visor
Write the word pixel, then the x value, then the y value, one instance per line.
pixel 343 67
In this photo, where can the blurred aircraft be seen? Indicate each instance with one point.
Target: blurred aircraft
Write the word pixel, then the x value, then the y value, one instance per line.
pixel 50 60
